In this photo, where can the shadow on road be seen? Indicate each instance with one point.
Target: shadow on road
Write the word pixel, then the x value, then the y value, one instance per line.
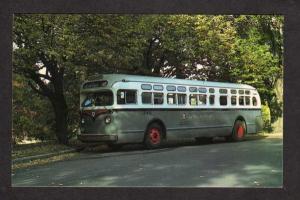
pixel 166 146
pixel 256 162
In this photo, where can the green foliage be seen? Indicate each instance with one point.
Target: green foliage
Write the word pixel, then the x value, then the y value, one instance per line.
pixel 242 48
pixel 258 57
pixel 32 115
pixel 266 116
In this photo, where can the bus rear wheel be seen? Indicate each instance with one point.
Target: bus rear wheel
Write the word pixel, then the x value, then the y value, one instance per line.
pixel 154 136
pixel 239 131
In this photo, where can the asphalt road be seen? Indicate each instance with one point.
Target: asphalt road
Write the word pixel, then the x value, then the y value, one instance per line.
pixel 252 163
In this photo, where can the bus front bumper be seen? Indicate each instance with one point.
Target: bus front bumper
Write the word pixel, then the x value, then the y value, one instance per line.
pixel 97 138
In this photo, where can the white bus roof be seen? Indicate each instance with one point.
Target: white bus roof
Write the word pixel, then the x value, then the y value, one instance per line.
pixel 113 78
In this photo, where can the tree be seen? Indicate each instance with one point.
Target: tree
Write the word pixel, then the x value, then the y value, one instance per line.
pixel 259 56
pixel 55 53
pixel 189 46
pixel 41 55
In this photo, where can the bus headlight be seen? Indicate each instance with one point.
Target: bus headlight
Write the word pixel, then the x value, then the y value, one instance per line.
pixel 107 120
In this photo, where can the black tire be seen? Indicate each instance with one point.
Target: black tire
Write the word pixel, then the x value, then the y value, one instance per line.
pixel 238 132
pixel 204 140
pixel 153 136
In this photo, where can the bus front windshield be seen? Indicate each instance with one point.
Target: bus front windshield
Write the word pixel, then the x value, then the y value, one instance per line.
pixel 103 98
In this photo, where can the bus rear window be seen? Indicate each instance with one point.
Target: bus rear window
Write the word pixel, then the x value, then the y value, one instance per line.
pixel 254 101
pixel 104 98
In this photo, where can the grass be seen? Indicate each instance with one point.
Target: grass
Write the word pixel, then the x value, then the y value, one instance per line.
pixel 25 150
pixel 43 161
pixel 38 148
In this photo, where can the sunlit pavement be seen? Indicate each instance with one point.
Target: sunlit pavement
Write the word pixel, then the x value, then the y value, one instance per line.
pixel 256 162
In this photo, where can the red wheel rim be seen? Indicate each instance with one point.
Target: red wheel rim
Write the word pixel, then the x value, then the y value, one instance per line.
pixel 240 131
pixel 154 135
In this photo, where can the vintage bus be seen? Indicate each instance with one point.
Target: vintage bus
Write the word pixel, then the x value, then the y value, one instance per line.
pixel 119 109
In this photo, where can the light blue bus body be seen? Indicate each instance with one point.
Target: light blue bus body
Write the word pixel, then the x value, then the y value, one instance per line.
pixel 119 109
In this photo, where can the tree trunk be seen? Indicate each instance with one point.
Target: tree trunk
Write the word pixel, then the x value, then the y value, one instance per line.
pixel 61 114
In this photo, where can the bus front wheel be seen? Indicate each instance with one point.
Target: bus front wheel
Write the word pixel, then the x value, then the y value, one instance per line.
pixel 154 136
pixel 239 131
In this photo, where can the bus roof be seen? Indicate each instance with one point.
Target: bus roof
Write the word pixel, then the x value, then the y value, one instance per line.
pixel 113 78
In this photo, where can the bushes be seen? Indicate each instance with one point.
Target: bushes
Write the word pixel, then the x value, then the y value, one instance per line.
pixel 32 115
pixel 266 116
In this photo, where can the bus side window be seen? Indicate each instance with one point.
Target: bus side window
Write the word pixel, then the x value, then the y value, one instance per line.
pixel 147 98
pixel 171 98
pixel 223 100
pixel 241 92
pixel 202 99
pixel 223 91
pixel 202 90
pixel 158 98
pixel 126 97
pixel 193 100
pixel 233 100
pixel 211 99
pixel 254 101
pixel 181 99
pixel 241 100
pixel 247 98
pixel 121 97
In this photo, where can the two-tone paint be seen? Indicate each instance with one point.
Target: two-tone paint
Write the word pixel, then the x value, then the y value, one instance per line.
pixel 128 123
